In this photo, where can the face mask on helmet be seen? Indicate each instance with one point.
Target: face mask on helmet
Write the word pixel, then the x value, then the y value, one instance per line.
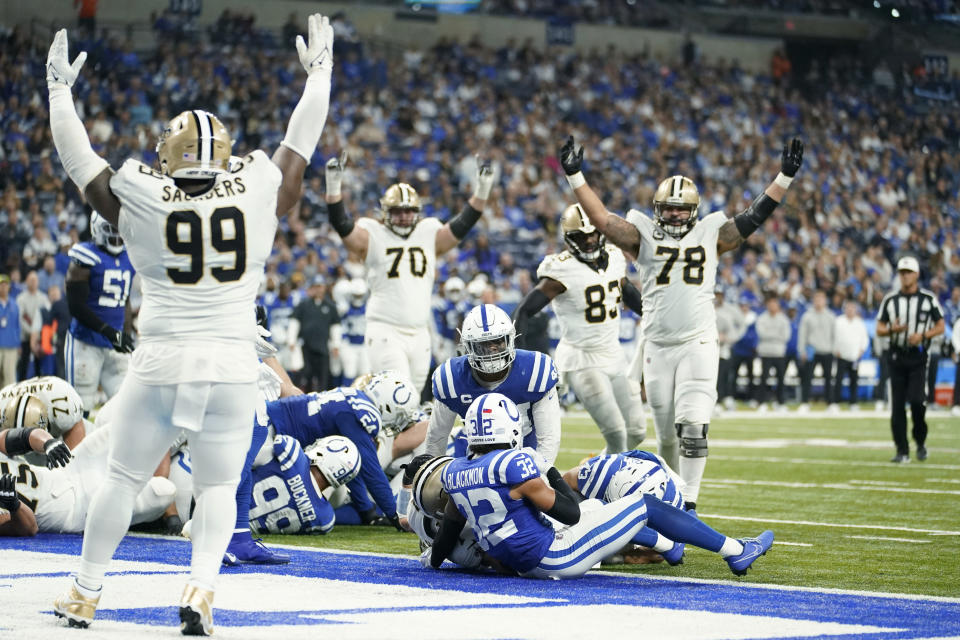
pixel 487 339
pixel 401 209
pixel 493 419
pixel 675 206
pixel 336 457
pixel 427 489
pixel 587 247
pixel 104 234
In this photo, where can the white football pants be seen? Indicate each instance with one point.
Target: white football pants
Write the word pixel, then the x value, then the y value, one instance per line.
pixel 406 351
pixel 89 367
pixel 614 403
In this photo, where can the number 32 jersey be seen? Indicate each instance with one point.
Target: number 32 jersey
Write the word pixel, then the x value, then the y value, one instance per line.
pixel 201 260
pixel 588 311
pixel 678 277
pixel 400 273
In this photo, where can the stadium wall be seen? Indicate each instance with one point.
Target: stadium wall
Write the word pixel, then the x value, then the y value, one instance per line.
pixel 384 23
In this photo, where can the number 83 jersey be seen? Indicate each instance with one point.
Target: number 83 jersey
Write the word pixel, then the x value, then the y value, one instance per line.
pixel 678 277
pixel 588 311
pixel 400 273
pixel 201 260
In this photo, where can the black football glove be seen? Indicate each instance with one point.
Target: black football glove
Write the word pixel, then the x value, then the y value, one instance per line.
pixel 58 454
pixel 386 521
pixel 172 525
pixel 121 342
pixel 8 493
pixel 262 316
pixel 570 158
pixel 792 158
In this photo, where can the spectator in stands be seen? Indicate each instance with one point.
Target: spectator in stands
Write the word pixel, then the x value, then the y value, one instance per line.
pixel 816 335
pixel 773 333
pixel 57 317
pixel 31 303
pixel 317 314
pixel 744 350
pixel 49 276
pixel 9 333
pixel 793 315
pixel 851 340
pixel 730 327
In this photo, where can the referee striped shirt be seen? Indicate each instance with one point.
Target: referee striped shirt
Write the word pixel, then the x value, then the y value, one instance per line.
pixel 919 311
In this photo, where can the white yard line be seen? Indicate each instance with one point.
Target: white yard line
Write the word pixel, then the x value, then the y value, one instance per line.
pixel 846 463
pixel 913 540
pixel 839 525
pixel 794 544
pixel 834 485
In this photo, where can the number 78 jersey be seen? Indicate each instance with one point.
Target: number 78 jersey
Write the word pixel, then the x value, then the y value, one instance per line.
pixel 200 259
pixel 678 277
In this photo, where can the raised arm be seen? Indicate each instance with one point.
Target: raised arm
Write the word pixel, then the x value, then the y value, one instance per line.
pixel 307 120
pixel 355 239
pixel 734 231
pixel 539 297
pixel 616 229
pixel 89 172
pixel 459 226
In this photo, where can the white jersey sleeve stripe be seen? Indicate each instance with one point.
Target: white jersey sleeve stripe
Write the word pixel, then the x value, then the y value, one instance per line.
pixel 545 377
pixel 448 371
pixel 289 455
pixel 503 463
pixel 83 255
pixel 438 382
pixel 533 374
pixel 491 468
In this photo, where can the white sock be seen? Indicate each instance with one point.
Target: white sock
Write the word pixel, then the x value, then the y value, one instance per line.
pixel 731 547
pixel 663 544
pixel 86 592
pixel 213 524
pixel 691 470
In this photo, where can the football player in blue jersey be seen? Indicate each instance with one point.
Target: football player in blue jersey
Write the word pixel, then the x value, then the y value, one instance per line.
pixel 353 322
pixel 98 293
pixel 492 363
pixel 448 311
pixel 499 492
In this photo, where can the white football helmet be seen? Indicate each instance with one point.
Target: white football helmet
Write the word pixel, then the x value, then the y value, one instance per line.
pixel 453 289
pixel 637 475
pixel 104 234
pixel 487 338
pixel 397 400
pixel 336 457
pixel 493 418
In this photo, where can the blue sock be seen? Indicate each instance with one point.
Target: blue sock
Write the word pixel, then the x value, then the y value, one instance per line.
pixel 646 537
pixel 680 526
pixel 241 530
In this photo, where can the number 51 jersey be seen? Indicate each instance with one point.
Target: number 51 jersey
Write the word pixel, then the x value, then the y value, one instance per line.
pixel 201 259
pixel 678 277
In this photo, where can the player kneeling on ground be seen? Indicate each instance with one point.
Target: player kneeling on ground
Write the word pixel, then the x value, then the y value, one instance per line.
pixel 500 494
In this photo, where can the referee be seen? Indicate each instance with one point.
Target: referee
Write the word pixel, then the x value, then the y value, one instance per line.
pixel 911 317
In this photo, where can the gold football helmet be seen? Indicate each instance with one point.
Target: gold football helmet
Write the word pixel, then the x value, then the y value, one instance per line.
pixel 584 240
pixel 24 411
pixel 194 145
pixel 398 201
pixel 427 492
pixel 676 192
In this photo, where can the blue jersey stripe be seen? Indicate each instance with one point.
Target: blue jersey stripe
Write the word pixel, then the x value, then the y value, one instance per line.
pixel 632 514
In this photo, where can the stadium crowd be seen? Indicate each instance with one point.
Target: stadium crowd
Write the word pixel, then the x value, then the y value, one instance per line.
pixel 882 176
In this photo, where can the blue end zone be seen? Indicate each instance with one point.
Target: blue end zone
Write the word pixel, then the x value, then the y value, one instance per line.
pixel 918 618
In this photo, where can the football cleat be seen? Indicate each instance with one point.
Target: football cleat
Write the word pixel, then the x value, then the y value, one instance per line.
pixel 252 551
pixel 675 555
pixel 196 611
pixel 753 548
pixel 77 608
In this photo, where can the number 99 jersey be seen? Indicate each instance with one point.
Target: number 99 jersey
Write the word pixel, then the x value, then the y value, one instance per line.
pixel 678 277
pixel 401 269
pixel 201 260
pixel 588 311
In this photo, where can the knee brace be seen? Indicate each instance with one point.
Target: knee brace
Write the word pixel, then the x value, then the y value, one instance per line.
pixel 693 440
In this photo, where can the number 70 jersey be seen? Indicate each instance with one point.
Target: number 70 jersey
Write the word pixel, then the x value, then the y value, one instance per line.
pixel 200 259
pixel 678 277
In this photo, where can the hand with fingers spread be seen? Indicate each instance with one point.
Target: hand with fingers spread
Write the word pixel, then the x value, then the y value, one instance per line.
pixel 792 158
pixel 483 182
pixel 58 454
pixel 316 54
pixel 59 70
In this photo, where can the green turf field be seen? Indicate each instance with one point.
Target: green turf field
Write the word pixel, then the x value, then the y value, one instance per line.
pixel 844 517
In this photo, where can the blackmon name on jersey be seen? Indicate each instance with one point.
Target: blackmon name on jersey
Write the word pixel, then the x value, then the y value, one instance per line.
pixel 110 278
pixel 588 310
pixel 678 278
pixel 400 273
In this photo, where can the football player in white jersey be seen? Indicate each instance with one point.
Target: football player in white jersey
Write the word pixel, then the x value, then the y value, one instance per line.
pixel 400 254
pixel 198 231
pixel 61 402
pixel 585 285
pixel 677 258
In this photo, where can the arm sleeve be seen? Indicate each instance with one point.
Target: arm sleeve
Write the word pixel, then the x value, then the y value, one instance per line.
pixel 560 486
pixel 461 224
pixel 546 415
pixel 441 423
pixel 446 540
pixel 564 509
pixel 340 220
pixel 528 307
pixel 309 116
pixel 632 298
pixel 370 471
pixel 77 293
pixel 79 160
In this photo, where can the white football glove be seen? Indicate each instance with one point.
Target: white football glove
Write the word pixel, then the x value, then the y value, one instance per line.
pixel 265 348
pixel 483 182
pixel 318 54
pixel 425 557
pixel 59 69
pixel 334 174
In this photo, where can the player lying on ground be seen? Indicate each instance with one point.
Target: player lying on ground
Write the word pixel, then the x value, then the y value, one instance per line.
pixel 500 494
pixel 63 405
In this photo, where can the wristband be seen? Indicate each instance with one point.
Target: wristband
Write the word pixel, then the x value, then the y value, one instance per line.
pixel 783 181
pixel 577 180
pixel 333 188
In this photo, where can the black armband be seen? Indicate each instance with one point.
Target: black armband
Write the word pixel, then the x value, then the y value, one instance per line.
pixel 340 220
pixel 564 510
pixel 632 299
pixel 528 307
pixel 555 479
pixel 461 223
pixel 445 541
pixel 18 440
pixel 750 219
pixel 77 293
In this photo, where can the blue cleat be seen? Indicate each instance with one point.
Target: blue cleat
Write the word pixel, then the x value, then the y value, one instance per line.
pixel 675 555
pixel 252 551
pixel 753 548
